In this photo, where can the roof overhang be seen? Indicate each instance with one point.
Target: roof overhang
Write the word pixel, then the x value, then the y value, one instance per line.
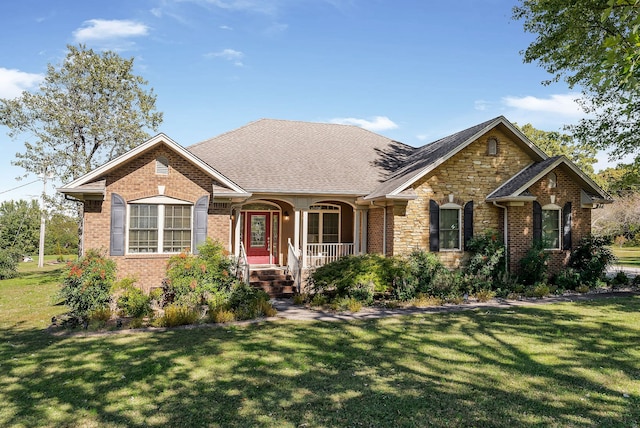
pixel 499 121
pixel 82 189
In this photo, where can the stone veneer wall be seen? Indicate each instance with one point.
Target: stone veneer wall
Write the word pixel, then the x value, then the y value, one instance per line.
pixel 469 175
pixel 137 179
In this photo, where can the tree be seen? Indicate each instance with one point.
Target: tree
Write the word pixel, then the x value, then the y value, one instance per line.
pixel 20 226
pixel 592 44
pixel 62 235
pixel 622 180
pixel 556 143
pixel 88 110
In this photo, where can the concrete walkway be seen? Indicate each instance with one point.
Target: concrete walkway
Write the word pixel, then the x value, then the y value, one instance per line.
pixel 287 310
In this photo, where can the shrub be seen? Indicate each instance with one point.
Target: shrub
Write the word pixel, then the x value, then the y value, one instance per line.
pixel 582 288
pixel 131 300
pixel 300 299
pixel 175 315
pixel 567 279
pixel 636 281
pixel 424 301
pixel 349 273
pixel 346 303
pixel 533 266
pixel 619 280
pixel 422 269
pixel 102 315
pixel 539 290
pixel 87 284
pixel 591 258
pixel 487 262
pixel 8 264
pixel 247 302
pixel 447 285
pixel 319 300
pixel 191 279
pixel 221 316
pixel 485 295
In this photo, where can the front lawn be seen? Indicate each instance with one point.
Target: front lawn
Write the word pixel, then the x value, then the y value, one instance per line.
pixel 572 364
pixel 627 256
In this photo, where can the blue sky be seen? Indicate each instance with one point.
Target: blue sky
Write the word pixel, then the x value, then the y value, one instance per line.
pixel 412 70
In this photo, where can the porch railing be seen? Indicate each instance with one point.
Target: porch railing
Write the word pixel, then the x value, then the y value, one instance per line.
pixel 294 265
pixel 242 266
pixel 321 254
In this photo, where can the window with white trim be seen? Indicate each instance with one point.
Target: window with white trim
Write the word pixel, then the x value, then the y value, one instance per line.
pixel 159 228
pixel 552 180
pixel 551 221
pixel 323 224
pixel 492 146
pixel 449 227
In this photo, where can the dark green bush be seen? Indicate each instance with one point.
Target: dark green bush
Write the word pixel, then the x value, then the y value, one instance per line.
pixel 353 274
pixel 533 266
pixel 485 268
pixel 567 279
pixel 591 258
pixel 619 280
pixel 87 284
pixel 422 269
pixel 8 263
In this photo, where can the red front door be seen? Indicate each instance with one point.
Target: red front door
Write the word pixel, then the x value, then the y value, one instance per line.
pixel 260 237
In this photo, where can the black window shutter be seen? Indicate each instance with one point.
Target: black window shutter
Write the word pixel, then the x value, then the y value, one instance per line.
pixel 200 216
pixel 468 223
pixel 537 221
pixel 566 220
pixel 118 220
pixel 434 226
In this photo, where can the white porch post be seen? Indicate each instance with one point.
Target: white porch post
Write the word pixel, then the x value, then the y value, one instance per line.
pixel 296 229
pixel 305 225
pixel 356 231
pixel 236 233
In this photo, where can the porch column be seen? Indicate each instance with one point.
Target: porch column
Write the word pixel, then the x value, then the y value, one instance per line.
pixel 305 225
pixel 296 228
pixel 236 233
pixel 357 229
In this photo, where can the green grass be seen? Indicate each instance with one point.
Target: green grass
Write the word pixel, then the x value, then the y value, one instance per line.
pixel 571 364
pixel 627 256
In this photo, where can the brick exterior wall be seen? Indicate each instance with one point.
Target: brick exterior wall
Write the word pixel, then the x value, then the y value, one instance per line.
pixel 471 175
pixel 521 238
pixel 375 225
pixel 137 179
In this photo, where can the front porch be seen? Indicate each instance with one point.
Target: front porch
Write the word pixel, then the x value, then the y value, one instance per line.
pixel 298 234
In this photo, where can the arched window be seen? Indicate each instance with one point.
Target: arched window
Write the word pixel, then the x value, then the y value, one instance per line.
pixel 552 180
pixel 492 146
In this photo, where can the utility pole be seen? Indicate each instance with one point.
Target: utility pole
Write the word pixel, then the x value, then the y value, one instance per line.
pixel 42 220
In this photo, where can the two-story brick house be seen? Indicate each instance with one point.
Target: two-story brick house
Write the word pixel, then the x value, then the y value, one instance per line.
pixel 276 190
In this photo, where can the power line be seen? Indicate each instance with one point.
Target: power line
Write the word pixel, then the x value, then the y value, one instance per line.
pixel 23 185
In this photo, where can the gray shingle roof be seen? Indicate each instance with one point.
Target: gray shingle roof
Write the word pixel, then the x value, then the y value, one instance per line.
pixel 522 178
pixel 426 156
pixel 303 157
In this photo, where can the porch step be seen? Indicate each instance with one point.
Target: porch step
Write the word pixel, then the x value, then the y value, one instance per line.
pixel 275 282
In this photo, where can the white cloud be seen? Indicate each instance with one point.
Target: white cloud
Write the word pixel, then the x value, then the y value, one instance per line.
pixel 561 104
pixel 228 54
pixel 378 123
pixel 226 27
pixel 480 105
pixel 102 29
pixel 13 82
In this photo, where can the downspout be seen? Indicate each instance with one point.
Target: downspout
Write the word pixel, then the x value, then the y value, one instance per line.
pixel 506 235
pixel 384 227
